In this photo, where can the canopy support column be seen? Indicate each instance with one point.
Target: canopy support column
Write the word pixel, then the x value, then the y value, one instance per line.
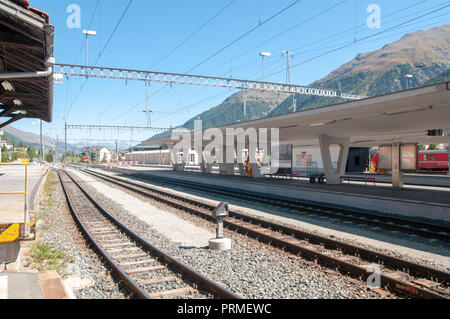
pixel 397 175
pixel 332 176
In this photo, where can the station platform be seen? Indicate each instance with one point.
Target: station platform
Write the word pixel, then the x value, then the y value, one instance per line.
pixel 422 203
pixel 12 179
pixel 44 285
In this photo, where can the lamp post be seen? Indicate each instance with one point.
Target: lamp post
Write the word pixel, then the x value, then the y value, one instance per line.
pixel 263 55
pixel 88 33
pixel 408 76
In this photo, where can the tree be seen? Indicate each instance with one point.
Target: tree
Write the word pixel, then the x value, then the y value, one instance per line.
pixel 49 157
pixel 31 152
pixel 433 147
pixel 5 157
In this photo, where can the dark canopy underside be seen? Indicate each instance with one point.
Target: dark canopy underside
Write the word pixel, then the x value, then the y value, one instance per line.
pixel 26 43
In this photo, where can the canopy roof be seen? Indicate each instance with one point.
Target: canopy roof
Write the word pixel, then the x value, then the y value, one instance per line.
pixel 26 44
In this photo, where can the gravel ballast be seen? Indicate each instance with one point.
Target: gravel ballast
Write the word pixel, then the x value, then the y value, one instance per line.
pixel 56 228
pixel 251 269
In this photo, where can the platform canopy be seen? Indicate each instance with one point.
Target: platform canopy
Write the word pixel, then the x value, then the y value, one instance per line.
pixel 402 117
pixel 26 49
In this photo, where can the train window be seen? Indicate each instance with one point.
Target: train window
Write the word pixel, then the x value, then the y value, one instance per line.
pixel 425 157
pixel 431 157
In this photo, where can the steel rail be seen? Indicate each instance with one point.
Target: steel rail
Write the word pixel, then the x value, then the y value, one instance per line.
pixel 178 266
pixel 261 232
pixel 440 232
pixel 120 273
pixel 425 229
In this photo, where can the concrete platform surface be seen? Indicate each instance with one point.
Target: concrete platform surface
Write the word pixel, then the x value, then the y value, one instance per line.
pixel 432 204
pixel 12 179
pixel 432 180
pixel 45 285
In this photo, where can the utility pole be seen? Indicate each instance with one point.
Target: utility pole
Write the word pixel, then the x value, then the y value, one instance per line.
pixel 290 55
pixel 65 141
pixel 88 33
pixel 245 102
pixel 408 76
pixel 264 55
pixel 147 101
pixel 56 150
pixel 41 157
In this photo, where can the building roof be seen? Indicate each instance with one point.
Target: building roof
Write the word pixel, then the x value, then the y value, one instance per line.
pixel 95 148
pixel 402 117
pixel 26 42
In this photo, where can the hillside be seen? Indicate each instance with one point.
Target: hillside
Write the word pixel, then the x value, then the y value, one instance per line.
pixel 259 104
pixel 16 135
pixel 424 55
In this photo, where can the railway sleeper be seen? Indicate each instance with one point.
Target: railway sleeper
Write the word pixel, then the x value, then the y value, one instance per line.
pixel 145 270
pixel 172 293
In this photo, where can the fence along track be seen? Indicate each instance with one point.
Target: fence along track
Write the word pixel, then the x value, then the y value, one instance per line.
pixel 146 271
pixel 398 275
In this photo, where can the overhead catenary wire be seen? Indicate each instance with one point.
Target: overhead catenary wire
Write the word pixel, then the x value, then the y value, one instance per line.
pixel 181 44
pixel 244 35
pixel 234 41
pixel 193 33
pixel 359 40
pixel 318 41
pixel 303 22
pixel 395 27
pixel 282 33
pixel 101 54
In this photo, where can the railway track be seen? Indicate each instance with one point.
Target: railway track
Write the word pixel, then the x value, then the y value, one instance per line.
pixel 146 271
pixel 424 229
pixel 397 275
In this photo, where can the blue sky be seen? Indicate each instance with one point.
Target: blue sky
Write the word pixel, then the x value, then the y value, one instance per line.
pixel 151 29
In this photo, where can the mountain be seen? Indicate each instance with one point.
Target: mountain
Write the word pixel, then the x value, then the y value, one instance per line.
pixel 424 55
pixel 16 135
pixel 259 104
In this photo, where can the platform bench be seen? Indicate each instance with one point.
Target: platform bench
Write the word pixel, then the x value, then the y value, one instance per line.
pixel 284 173
pixel 358 179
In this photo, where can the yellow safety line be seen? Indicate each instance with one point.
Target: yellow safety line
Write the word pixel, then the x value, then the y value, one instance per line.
pixel 9 233
pixel 13 193
pixel 25 193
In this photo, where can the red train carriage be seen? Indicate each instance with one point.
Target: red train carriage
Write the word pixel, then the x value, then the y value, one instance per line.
pixel 428 161
pixel 433 161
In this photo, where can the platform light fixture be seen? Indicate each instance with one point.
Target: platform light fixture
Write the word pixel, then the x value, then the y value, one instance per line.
pixel 409 110
pixel 264 55
pixel 88 33
pixel 7 86
pixel 408 76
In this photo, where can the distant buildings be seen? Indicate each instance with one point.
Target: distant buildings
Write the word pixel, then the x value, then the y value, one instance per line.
pixel 98 154
pixel 5 144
